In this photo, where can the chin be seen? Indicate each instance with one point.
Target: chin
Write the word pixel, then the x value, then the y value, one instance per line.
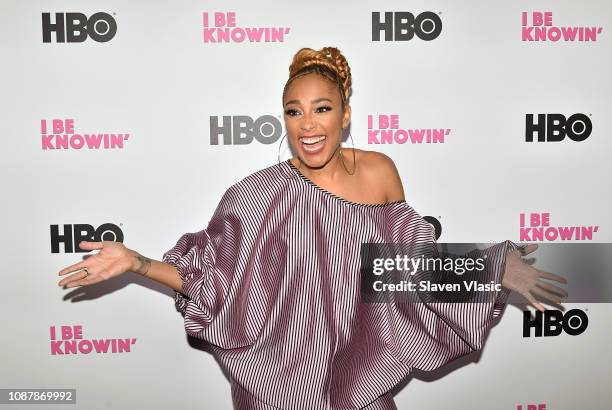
pixel 315 160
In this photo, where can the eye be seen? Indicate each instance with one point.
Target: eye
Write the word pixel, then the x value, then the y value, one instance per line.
pixel 325 107
pixel 291 112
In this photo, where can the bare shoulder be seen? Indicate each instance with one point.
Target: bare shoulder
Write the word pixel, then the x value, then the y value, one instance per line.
pixel 380 170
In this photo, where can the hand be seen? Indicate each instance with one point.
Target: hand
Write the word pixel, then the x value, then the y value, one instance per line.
pixel 112 260
pixel 523 278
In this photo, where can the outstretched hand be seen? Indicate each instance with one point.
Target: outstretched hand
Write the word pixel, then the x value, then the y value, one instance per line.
pixel 112 260
pixel 526 280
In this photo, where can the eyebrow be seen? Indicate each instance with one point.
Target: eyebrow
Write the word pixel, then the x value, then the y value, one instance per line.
pixel 316 100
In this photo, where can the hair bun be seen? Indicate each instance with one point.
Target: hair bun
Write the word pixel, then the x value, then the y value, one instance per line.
pixel 329 57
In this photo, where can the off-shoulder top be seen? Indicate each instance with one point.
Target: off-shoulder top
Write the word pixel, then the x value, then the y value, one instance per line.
pixel 272 283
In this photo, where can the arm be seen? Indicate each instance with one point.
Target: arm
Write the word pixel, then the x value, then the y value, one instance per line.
pixel 516 275
pixel 114 259
pixel 161 272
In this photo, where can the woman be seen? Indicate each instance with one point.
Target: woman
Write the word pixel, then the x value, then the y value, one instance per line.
pixel 272 283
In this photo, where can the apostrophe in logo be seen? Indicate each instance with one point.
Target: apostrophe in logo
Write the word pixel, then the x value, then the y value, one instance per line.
pixel 385 129
pixel 537 227
pixel 242 129
pixel 552 322
pixel 73 234
pixel 68 340
pixel 555 127
pixel 538 26
pixel 60 134
pixel 76 27
pixel 221 27
pixel 403 25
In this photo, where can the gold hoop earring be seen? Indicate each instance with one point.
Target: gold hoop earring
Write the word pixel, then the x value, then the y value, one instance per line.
pixel 279 147
pixel 291 175
pixel 354 161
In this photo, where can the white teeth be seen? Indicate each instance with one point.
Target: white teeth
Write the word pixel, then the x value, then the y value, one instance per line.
pixel 312 140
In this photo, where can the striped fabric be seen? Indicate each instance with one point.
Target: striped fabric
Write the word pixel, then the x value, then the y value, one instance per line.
pixel 273 285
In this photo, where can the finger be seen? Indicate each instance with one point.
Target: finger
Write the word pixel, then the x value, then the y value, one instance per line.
pixel 546 295
pixel 83 282
pixel 530 248
pixel 91 245
pixel 552 276
pixel 534 302
pixel 72 268
pixel 551 288
pixel 77 276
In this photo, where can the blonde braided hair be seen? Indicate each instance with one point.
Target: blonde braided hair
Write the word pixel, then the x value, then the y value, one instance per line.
pixel 328 62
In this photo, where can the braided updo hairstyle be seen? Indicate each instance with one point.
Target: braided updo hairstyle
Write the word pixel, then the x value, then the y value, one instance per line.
pixel 329 62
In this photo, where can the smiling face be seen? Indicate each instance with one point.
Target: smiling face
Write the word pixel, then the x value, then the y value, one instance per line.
pixel 314 118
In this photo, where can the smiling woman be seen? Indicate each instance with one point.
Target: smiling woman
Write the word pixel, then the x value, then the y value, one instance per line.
pixel 315 101
pixel 274 286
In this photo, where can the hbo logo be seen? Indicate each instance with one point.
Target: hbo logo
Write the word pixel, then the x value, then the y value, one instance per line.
pixel 436 225
pixel 402 26
pixel 76 27
pixel 242 129
pixel 73 234
pixel 553 322
pixel 555 127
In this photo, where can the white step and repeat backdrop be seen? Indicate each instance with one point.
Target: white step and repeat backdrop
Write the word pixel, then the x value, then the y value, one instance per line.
pixel 128 120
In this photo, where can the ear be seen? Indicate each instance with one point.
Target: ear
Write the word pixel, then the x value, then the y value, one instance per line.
pixel 346 118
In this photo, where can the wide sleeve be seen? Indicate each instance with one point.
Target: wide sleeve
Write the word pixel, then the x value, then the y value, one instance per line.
pixel 194 257
pixel 206 262
pixel 429 334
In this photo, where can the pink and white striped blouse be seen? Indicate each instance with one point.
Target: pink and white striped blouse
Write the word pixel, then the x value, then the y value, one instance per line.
pixel 273 285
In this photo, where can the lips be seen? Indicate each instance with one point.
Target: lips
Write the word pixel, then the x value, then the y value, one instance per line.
pixel 312 140
pixel 313 144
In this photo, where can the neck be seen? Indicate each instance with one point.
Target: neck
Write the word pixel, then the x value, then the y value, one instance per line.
pixel 330 170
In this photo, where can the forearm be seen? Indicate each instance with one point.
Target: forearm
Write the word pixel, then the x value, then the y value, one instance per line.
pixel 158 271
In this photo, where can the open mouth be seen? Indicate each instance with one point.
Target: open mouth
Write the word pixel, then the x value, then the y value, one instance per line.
pixel 313 144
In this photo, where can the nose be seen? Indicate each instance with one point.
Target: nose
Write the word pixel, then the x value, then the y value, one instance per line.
pixel 307 122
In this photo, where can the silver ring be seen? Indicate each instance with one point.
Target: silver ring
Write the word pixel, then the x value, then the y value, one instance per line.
pixel 86 272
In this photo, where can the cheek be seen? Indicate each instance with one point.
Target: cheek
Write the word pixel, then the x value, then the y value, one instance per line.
pixel 291 126
pixel 289 122
pixel 292 130
pixel 333 122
